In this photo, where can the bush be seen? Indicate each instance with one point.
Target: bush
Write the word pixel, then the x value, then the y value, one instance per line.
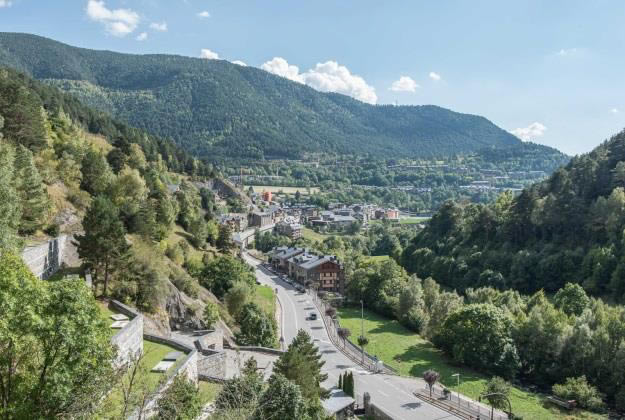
pixel 499 386
pixel 180 401
pixel 80 199
pixel 184 282
pixel 578 389
pixel 53 230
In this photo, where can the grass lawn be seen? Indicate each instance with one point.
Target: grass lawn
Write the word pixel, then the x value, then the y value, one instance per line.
pixel 411 355
pixel 412 220
pixel 208 391
pixel 106 313
pixel 265 298
pixel 312 235
pixel 376 258
pixel 154 353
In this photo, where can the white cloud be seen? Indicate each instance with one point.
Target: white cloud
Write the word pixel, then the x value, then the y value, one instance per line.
pixel 567 52
pixel 435 76
pixel 325 77
pixel 208 54
pixel 204 14
pixel 161 27
pixel 239 63
pixel 281 67
pixel 117 22
pixel 142 36
pixel 530 132
pixel 5 3
pixel 614 110
pixel 404 84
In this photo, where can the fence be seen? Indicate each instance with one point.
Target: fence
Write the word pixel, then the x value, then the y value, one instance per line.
pixel 459 405
pixel 352 351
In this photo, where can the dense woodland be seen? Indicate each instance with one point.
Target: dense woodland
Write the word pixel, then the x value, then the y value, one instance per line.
pixel 208 105
pixel 67 169
pixel 568 228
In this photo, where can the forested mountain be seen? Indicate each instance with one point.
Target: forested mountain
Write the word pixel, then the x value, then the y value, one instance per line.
pixel 568 228
pixel 216 109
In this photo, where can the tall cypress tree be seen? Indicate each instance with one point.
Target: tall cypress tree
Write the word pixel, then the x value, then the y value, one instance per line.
pixel 33 195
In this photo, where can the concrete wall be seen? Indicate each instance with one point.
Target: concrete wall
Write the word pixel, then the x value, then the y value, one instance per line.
pixel 129 340
pixel 45 259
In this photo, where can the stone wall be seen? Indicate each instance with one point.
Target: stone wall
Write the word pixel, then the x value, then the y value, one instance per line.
pixel 212 365
pixel 212 340
pixel 129 340
pixel 188 367
pixel 45 259
pixel 376 413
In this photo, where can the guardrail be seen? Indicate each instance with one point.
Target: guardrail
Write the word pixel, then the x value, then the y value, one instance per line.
pixel 348 348
pixel 459 405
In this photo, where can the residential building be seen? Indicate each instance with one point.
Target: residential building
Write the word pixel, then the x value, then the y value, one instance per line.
pixel 260 219
pixel 237 221
pixel 279 257
pixel 292 230
pixel 326 272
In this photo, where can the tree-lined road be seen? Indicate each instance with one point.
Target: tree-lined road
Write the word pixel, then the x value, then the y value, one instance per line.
pixel 390 393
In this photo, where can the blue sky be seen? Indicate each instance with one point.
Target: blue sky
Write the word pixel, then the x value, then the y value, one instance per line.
pixel 547 70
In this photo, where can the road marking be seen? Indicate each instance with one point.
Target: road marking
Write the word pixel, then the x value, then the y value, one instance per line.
pixel 383 393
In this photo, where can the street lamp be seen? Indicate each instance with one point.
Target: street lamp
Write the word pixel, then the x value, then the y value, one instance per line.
pixel 362 318
pixel 457 375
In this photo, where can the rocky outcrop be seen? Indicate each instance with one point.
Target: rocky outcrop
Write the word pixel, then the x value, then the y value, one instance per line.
pixel 184 312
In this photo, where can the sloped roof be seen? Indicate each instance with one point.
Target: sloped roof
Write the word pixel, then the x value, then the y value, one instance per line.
pixel 337 401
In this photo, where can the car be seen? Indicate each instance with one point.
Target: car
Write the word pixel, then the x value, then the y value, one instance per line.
pixel 313 316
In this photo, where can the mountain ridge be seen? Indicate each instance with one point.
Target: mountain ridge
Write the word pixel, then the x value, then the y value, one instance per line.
pixel 209 106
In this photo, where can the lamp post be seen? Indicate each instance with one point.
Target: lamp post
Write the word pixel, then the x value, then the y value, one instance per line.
pixel 362 318
pixel 457 375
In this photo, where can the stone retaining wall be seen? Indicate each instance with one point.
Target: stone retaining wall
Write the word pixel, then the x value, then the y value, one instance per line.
pixel 257 349
pixel 129 340
pixel 188 367
pixel 212 365
pixel 45 259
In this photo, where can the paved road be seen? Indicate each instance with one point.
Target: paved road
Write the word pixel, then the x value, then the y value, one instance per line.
pixel 390 393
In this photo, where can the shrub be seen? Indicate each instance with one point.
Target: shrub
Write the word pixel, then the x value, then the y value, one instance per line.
pixel 499 386
pixel 180 401
pixel 578 389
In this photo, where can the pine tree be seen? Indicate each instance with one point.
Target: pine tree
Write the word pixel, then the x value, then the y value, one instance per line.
pixel 340 381
pixel 302 364
pixel 10 208
pixel 33 195
pixel 103 246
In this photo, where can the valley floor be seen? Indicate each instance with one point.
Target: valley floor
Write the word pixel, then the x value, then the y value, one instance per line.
pixel 411 355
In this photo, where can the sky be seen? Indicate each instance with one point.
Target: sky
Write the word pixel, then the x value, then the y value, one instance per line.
pixel 548 71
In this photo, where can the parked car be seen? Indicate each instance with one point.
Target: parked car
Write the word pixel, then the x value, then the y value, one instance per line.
pixel 313 316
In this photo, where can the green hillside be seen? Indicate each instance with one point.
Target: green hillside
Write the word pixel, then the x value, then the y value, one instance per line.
pixel 568 228
pixel 209 106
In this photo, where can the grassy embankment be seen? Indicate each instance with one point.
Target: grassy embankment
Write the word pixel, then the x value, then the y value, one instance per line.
pixel 145 380
pixel 411 355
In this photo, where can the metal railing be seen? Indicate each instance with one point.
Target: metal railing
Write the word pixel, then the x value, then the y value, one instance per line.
pixel 346 346
pixel 459 404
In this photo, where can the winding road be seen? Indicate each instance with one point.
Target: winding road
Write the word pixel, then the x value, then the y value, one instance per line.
pixel 392 394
